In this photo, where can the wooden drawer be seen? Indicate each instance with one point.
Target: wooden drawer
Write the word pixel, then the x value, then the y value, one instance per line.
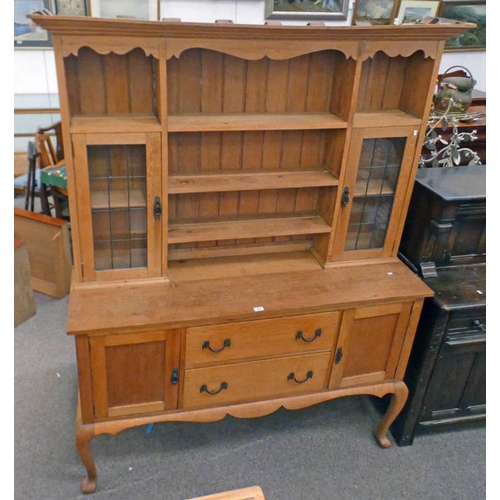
pixel 254 380
pixel 213 345
pixel 467 321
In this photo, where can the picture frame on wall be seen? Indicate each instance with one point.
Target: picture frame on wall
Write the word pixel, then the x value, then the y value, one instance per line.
pixel 145 10
pixel 334 10
pixel 373 12
pixel 71 7
pixel 413 11
pixel 471 11
pixel 27 34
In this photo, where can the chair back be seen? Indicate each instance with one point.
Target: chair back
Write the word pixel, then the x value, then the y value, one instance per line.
pixel 49 154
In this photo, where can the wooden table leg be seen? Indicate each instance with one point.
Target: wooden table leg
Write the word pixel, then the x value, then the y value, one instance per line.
pixel 397 403
pixel 84 434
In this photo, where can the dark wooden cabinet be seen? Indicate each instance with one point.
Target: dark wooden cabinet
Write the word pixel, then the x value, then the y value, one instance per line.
pixel 446 222
pixel 445 242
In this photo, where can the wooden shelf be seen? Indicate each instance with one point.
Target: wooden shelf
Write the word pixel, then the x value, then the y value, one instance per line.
pixel 243 265
pixel 118 199
pixel 390 118
pixel 247 181
pixel 114 124
pixel 254 121
pixel 257 227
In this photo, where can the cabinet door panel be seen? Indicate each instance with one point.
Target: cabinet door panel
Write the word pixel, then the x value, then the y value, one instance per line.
pixel 132 373
pixel 118 180
pixel 458 384
pixel 380 162
pixel 370 343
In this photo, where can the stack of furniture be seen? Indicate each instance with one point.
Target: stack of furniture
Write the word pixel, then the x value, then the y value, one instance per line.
pixel 444 241
pixel 237 198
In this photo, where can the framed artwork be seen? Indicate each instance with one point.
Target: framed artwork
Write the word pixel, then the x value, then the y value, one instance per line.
pixel 27 34
pixel 335 10
pixel 412 11
pixel 373 12
pixel 471 11
pixel 146 10
pixel 71 7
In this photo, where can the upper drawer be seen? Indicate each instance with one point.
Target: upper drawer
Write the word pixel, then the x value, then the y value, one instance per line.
pixel 217 344
pixel 467 322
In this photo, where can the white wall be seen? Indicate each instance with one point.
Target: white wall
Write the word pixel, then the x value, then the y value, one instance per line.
pixel 35 73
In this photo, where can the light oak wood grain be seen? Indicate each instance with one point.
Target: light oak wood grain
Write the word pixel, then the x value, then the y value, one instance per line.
pixel 244 297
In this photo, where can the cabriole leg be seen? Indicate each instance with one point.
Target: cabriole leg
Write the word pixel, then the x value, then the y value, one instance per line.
pixel 84 434
pixel 398 400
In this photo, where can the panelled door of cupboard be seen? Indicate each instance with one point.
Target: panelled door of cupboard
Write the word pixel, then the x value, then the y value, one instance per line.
pixel 135 373
pixel 379 165
pixel 370 343
pixel 118 186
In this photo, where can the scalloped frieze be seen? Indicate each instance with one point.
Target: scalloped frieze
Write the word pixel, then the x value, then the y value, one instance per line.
pixel 401 48
pixel 104 46
pixel 245 410
pixel 258 49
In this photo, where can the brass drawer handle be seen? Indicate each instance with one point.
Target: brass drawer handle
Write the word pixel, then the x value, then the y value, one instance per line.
pixel 300 336
pixel 291 376
pixel 204 388
pixel 206 345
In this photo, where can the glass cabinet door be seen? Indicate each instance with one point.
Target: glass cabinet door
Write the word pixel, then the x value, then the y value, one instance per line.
pixel 372 202
pixel 125 207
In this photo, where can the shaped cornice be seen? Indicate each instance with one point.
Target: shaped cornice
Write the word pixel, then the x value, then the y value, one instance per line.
pixel 107 45
pixel 257 49
pixel 402 48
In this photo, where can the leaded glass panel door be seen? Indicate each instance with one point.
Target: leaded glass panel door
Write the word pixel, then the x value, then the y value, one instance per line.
pixel 380 162
pixel 120 175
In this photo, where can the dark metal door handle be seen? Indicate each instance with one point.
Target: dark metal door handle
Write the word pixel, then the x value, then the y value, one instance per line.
pixel 345 197
pixel 338 355
pixel 291 376
pixel 204 388
pixel 174 378
pixel 300 336
pixel 157 208
pixel 206 345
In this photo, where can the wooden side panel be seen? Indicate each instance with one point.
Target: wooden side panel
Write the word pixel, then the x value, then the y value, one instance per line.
pixel 343 85
pixel 92 95
pixel 111 84
pixel 72 84
pixel 24 303
pixel 82 349
pixel 418 74
pixel 47 242
pixel 302 83
pixel 382 81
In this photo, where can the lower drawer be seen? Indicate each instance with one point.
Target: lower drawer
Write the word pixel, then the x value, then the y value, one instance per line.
pixel 242 382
